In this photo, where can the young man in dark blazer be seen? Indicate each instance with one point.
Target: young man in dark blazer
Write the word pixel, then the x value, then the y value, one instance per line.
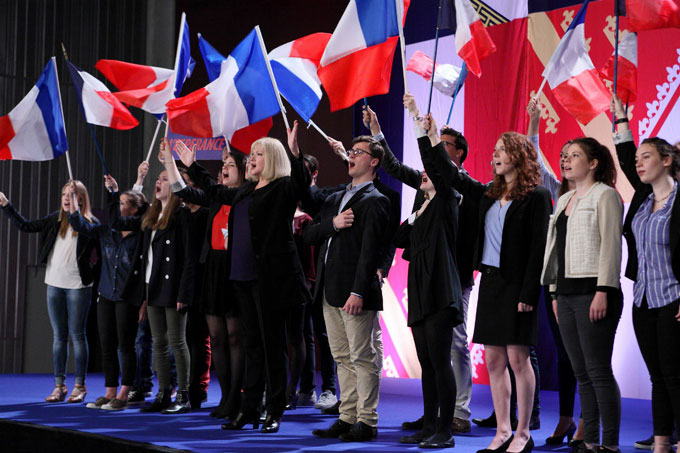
pixel 350 231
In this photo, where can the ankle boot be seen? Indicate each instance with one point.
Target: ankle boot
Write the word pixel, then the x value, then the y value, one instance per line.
pixel 181 404
pixel 161 402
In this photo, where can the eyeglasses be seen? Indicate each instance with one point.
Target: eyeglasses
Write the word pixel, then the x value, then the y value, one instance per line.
pixel 358 152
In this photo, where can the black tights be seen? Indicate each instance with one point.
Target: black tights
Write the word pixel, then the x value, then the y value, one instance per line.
pixel 228 358
pixel 433 337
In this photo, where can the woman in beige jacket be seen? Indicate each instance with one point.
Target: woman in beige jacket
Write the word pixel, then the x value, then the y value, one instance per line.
pixel 582 265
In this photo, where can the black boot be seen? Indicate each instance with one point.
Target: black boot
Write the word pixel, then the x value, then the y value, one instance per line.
pixel 181 404
pixel 161 402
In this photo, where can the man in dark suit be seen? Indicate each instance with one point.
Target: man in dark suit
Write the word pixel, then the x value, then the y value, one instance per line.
pixel 350 232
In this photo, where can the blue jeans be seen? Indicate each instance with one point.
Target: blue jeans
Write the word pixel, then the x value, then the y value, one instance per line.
pixel 68 309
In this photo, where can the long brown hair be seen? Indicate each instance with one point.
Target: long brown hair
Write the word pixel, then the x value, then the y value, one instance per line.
pixel 83 200
pixel 523 156
pixel 151 220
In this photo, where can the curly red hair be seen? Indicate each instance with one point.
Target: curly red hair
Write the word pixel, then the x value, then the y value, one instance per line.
pixel 523 156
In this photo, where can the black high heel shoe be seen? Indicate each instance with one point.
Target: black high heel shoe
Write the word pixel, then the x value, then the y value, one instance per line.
pixel 559 439
pixel 271 425
pixel 500 449
pixel 529 446
pixel 243 419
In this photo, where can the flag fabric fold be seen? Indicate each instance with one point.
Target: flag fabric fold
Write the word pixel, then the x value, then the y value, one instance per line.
pixel 34 130
pixel 626 85
pixel 242 95
pixel 572 76
pixel 99 105
pixel 445 75
pixel 652 14
pixel 295 65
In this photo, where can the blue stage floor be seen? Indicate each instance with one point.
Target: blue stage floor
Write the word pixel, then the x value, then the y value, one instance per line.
pixel 22 399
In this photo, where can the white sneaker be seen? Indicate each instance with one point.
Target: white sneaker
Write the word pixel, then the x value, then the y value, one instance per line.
pixel 326 399
pixel 306 399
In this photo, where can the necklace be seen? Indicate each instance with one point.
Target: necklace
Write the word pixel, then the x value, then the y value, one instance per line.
pixel 657 200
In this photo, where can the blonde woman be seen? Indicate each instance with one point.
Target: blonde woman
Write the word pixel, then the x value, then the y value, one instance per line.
pixel 72 264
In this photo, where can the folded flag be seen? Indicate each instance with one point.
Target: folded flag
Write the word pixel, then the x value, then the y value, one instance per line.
pixel 34 129
pixel 626 83
pixel 243 94
pixel 652 14
pixel 357 61
pixel 99 105
pixel 295 65
pixel 572 76
pixel 242 138
pixel 445 75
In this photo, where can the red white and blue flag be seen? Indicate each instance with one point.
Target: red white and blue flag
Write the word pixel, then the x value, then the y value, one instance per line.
pixel 295 66
pixel 99 105
pixel 652 14
pixel 357 61
pixel 445 75
pixel 34 129
pixel 242 95
pixel 627 70
pixel 572 76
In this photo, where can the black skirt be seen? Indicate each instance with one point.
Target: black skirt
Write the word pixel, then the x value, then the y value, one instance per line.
pixel 217 294
pixel 498 322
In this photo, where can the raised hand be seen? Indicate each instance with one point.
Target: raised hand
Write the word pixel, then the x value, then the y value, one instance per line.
pixel 616 107
pixel 111 184
pixel 186 155
pixel 3 200
pixel 534 111
pixel 292 139
pixel 430 125
pixel 337 148
pixel 410 105
pixel 142 171
pixel 371 120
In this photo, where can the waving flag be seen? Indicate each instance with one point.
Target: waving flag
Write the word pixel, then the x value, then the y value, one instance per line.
pixel 357 61
pixel 242 95
pixel 572 76
pixel 212 58
pixel 294 65
pixel 34 129
pixel 652 14
pixel 445 75
pixel 99 105
pixel 626 84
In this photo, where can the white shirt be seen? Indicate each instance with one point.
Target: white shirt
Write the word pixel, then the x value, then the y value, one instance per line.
pixel 62 264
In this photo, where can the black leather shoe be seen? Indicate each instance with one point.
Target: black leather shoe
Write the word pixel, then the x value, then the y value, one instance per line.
pixel 291 405
pixel 334 431
pixel 161 402
pixel 488 422
pixel 181 404
pixel 360 432
pixel 414 425
pixel 243 419
pixel 333 410
pixel 416 437
pixel 502 449
pixel 527 447
pixel 438 441
pixel 271 425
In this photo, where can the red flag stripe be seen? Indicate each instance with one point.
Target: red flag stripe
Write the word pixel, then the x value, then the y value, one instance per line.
pixel 190 115
pixel 584 96
pixel 121 118
pixel 6 135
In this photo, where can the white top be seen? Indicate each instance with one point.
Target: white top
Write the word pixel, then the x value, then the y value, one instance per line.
pixel 62 264
pixel 149 255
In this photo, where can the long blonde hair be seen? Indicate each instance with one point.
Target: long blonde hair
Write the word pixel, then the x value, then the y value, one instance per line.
pixel 83 200
pixel 276 163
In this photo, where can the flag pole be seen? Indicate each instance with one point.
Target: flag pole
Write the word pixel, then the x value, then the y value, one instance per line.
pixel 455 93
pixel 153 140
pixel 616 57
pixel 61 108
pixel 434 60
pixel 271 76
pixel 313 124
pixel 179 47
pixel 400 7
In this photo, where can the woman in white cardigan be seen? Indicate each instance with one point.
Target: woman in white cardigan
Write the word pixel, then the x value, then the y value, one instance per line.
pixel 582 266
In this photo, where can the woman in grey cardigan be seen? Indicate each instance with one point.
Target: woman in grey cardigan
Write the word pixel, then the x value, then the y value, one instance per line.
pixel 582 265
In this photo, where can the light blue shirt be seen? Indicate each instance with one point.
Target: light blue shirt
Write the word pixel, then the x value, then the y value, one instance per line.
pixel 493 233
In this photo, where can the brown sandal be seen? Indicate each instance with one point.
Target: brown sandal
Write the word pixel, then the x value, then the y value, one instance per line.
pixel 58 394
pixel 78 394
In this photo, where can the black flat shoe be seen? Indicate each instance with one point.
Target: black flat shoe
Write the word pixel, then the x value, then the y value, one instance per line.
pixel 359 432
pixel 181 404
pixel 559 439
pixel 527 447
pixel 416 437
pixel 438 441
pixel 413 426
pixel 271 425
pixel 243 419
pixel 334 431
pixel 490 421
pixel 501 449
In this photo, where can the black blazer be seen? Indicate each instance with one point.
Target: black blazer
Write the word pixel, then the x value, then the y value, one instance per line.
pixel 281 280
pixel 354 253
pixel 524 232
pixel 433 280
pixel 87 249
pixel 173 270
pixel 626 152
pixel 468 211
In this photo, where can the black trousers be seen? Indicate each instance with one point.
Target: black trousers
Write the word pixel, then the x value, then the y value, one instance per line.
pixel 264 334
pixel 433 337
pixel 117 323
pixel 658 335
pixel 315 326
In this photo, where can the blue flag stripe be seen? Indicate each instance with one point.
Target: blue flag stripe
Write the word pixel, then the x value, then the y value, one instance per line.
pixel 378 19
pixel 49 105
pixel 303 99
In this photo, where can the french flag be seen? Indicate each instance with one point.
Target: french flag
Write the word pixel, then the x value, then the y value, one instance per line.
pixel 243 94
pixel 626 76
pixel 34 130
pixel 357 61
pixel 473 43
pixel 295 66
pixel 445 75
pixel 572 76
pixel 99 105
pixel 242 139
pixel 652 14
